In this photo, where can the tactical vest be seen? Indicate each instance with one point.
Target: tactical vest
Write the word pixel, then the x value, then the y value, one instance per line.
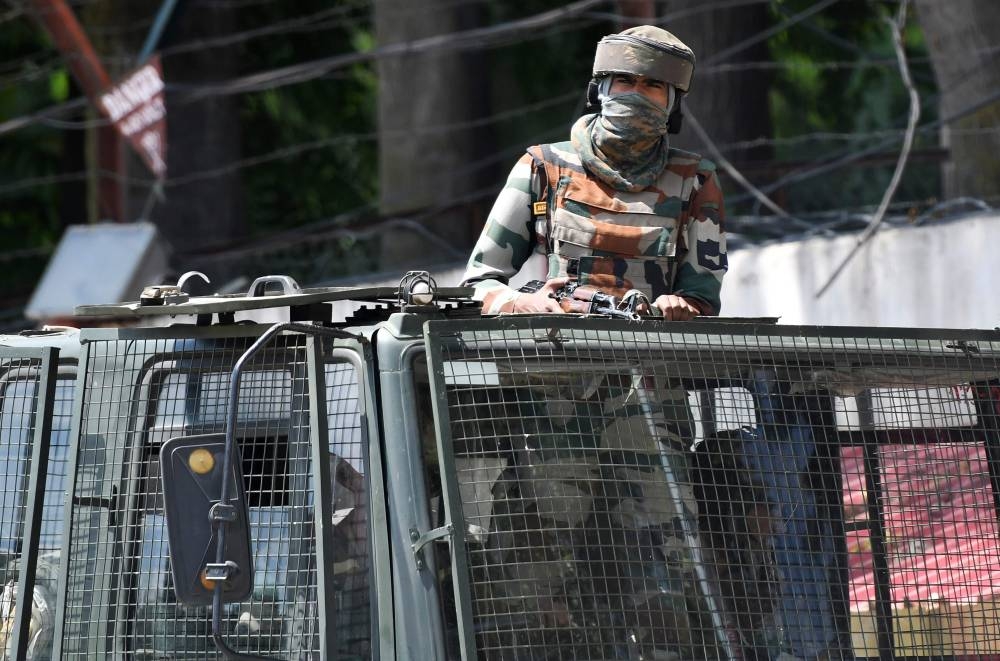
pixel 611 239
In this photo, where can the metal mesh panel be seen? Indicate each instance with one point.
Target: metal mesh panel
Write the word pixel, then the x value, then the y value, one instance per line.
pixel 22 405
pixel 138 394
pixel 698 491
pixel 17 425
pixel 50 540
pixel 351 550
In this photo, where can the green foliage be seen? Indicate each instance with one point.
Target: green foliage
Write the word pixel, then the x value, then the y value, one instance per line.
pixel 31 77
pixel 316 140
pixel 327 124
pixel 552 67
pixel 851 88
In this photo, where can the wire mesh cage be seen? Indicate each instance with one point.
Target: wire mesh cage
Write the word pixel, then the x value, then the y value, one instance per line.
pixel 142 390
pixel 31 453
pixel 714 491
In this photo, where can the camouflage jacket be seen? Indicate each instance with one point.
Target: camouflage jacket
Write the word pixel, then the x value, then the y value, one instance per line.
pixel 553 218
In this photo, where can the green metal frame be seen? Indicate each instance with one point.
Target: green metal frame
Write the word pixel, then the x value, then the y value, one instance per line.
pixel 323 508
pixel 878 357
pixel 45 366
pixel 337 346
pixel 71 462
pixel 455 517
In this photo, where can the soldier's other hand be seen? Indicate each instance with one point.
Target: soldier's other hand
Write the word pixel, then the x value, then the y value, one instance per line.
pixel 542 300
pixel 675 308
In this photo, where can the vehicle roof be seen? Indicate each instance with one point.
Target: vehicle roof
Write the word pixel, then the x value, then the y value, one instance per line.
pixel 228 303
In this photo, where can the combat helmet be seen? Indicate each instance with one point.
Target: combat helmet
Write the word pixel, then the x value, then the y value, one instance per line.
pixel 645 50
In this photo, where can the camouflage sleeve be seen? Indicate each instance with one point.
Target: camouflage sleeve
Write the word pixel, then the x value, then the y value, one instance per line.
pixel 505 244
pixel 700 273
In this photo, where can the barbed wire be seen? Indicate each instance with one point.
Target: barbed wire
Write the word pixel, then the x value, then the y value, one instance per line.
pixel 475 39
pixel 888 136
pixel 763 35
pixel 811 25
pixel 846 158
pixel 297 149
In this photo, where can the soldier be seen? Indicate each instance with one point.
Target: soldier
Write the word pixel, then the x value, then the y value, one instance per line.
pixel 618 209
pixel 594 522
pixel 615 206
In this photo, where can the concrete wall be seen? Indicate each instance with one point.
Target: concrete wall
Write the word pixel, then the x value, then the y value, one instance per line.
pixel 943 275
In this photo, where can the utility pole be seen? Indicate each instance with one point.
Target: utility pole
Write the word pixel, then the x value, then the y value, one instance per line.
pixel 636 12
pixel 69 38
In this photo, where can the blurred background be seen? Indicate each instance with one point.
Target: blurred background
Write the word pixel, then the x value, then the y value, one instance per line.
pixel 347 141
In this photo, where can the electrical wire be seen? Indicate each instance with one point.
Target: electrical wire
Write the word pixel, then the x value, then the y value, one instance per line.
pixel 728 167
pixel 474 39
pixel 853 155
pixel 297 149
pixel 763 35
pixel 45 118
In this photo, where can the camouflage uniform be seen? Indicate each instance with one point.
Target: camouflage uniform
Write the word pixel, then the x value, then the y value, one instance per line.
pixel 589 543
pixel 614 207
pixel 668 238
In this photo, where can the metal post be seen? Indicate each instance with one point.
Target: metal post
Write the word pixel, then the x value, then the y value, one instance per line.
pixel 69 38
pixel 156 32
pixel 876 529
pixel 688 526
pixel 231 452
pixel 988 417
pixel 324 490
pixel 41 439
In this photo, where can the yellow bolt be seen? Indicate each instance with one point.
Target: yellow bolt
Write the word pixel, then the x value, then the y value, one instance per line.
pixel 205 583
pixel 201 461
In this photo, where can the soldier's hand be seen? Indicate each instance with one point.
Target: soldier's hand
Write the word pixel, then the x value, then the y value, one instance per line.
pixel 675 308
pixel 542 300
pixel 581 301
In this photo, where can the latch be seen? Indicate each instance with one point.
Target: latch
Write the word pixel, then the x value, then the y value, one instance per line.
pixel 420 541
pixel 222 512
pixel 221 571
pixel 169 294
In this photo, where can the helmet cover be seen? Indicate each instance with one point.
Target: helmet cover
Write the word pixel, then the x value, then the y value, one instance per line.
pixel 648 51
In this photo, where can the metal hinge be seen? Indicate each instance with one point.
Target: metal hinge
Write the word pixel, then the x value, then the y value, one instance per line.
pixel 420 541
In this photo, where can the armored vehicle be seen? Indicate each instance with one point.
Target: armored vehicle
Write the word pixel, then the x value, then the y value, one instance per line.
pixel 382 473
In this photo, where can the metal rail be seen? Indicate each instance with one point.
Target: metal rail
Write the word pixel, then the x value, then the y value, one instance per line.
pixel 231 452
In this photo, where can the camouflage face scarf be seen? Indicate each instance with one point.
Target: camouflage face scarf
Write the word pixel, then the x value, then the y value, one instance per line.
pixel 626 145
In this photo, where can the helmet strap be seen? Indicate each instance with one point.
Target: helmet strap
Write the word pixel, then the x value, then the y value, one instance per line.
pixel 594 95
pixel 676 117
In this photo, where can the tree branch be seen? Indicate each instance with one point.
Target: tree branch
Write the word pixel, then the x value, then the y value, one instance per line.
pixel 911 127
